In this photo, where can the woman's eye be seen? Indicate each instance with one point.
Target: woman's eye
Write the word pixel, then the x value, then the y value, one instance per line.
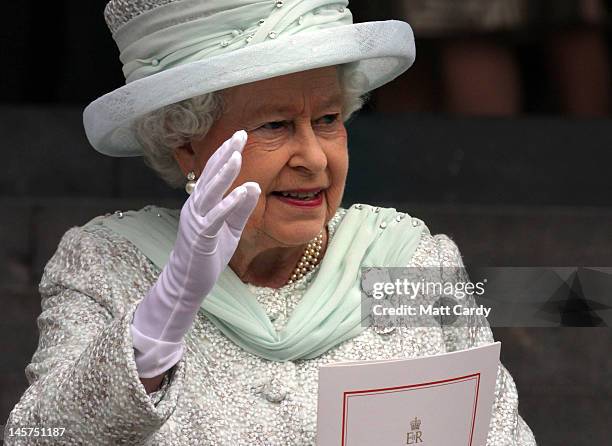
pixel 329 119
pixel 276 125
pixel 279 125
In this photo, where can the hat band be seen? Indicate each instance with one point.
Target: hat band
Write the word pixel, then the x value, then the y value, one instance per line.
pixel 170 35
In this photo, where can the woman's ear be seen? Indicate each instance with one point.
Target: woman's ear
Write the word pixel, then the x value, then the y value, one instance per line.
pixel 185 157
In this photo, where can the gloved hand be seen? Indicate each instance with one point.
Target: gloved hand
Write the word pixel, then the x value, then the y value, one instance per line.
pixel 209 230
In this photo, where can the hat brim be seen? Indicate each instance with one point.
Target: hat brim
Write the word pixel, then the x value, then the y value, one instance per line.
pixel 381 51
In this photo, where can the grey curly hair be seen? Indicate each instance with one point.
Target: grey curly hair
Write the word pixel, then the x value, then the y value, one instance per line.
pixel 175 125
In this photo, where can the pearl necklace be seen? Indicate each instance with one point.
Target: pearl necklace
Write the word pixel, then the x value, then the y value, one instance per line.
pixel 309 259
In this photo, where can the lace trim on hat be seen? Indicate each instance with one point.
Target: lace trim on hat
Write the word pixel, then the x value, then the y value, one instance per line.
pixel 118 12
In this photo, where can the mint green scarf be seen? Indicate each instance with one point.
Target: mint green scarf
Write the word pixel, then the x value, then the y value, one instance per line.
pixel 330 309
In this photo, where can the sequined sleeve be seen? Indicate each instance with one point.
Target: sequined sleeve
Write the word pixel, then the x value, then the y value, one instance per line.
pixel 507 426
pixel 83 377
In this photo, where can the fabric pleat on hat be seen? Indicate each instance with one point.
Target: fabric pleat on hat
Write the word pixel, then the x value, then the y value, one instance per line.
pixel 168 35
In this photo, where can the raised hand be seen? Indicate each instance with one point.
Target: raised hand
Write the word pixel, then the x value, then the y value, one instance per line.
pixel 210 227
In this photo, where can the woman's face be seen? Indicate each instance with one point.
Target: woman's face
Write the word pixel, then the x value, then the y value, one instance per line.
pixel 296 141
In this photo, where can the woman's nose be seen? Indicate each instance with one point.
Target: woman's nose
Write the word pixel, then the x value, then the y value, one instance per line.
pixel 308 152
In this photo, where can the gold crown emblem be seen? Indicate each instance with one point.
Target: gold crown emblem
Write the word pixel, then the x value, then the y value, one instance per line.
pixel 415 424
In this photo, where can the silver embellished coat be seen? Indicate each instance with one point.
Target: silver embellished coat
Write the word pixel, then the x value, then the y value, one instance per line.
pixel 83 376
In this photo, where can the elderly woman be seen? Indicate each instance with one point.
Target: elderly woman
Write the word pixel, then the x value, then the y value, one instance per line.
pixel 207 325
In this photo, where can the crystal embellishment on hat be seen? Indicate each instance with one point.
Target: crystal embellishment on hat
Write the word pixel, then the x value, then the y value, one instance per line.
pixel 177 22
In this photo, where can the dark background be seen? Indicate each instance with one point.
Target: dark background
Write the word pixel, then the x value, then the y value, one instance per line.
pixel 527 190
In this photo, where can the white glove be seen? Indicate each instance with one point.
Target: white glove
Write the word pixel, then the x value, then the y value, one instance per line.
pixel 209 230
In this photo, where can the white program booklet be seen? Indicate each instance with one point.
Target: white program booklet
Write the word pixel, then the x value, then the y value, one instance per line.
pixel 436 400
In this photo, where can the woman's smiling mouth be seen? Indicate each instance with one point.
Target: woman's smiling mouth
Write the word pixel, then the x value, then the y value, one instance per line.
pixel 301 197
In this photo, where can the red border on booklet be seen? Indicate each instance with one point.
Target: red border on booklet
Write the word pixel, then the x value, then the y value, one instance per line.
pixel 411 386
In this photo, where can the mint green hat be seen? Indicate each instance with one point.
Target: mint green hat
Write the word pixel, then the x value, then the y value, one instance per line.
pixel 174 50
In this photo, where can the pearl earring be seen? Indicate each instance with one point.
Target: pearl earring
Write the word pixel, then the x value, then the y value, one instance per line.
pixel 190 186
